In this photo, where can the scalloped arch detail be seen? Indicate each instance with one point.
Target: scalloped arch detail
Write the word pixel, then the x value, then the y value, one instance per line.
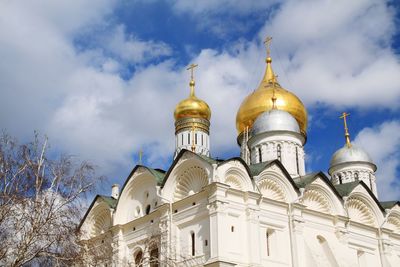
pixel 271 189
pixel 234 182
pixel 360 212
pixel 394 221
pixel 315 200
pixel 101 222
pixel 190 181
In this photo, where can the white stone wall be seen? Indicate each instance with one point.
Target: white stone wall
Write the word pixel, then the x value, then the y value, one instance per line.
pixel 261 221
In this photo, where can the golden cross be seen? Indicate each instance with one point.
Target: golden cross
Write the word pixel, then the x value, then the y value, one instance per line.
pixel 346 129
pixel 191 68
pixel 267 43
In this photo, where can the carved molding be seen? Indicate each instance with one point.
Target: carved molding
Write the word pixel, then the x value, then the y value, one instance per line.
pixel 190 181
pixel 360 212
pixel 271 189
pixel 315 200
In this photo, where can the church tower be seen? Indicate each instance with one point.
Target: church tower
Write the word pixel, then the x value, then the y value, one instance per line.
pixel 272 124
pixel 192 122
pixel 351 163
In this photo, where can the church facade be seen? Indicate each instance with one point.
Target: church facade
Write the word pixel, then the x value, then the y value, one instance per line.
pixel 259 209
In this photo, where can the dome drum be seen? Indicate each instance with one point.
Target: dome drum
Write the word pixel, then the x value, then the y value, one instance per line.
pixel 192 124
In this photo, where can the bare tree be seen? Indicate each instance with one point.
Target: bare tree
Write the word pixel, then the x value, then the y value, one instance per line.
pixel 41 203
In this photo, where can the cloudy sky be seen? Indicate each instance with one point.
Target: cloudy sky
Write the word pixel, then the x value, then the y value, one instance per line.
pixel 101 78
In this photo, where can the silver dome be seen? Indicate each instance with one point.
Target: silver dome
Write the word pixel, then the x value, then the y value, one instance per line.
pixel 350 154
pixel 275 120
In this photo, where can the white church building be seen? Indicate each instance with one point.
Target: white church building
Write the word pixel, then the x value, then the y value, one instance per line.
pixel 259 209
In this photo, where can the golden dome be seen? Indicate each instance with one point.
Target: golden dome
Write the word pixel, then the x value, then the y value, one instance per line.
pixel 259 101
pixel 192 107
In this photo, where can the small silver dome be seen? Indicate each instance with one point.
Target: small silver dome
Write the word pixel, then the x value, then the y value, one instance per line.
pixel 350 154
pixel 275 120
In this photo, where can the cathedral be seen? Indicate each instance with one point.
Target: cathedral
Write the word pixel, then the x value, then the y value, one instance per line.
pixel 259 209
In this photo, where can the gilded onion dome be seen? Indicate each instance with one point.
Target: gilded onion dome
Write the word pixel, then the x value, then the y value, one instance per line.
pixel 192 107
pixel 258 102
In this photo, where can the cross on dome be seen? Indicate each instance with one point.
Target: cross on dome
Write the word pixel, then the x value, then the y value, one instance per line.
pixel 346 129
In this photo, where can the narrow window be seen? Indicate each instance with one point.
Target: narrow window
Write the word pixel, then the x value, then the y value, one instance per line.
pixel 356 176
pixel 147 209
pixel 154 257
pixel 340 178
pixel 370 181
pixel 202 139
pixel 232 229
pixel 297 160
pixel 188 138
pixel 279 152
pixel 193 244
pixel 138 258
pixel 268 242
pixel 195 138
pixel 259 155
pixel 327 251
pixel 269 236
pixel 181 135
pixel 206 242
pixel 361 258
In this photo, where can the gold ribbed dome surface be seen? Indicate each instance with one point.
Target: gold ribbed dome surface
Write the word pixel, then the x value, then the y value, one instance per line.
pixel 259 101
pixel 192 107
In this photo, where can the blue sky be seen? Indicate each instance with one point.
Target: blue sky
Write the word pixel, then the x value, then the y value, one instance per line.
pixel 101 78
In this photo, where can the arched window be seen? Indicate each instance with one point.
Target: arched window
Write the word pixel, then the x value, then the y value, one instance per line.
pixel 279 152
pixel 154 257
pixel 356 176
pixel 192 238
pixel 259 155
pixel 340 179
pixel 138 258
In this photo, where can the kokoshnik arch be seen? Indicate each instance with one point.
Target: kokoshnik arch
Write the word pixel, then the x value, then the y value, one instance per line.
pixel 259 209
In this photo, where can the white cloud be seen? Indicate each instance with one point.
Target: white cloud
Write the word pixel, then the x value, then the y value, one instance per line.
pixel 131 49
pixel 383 145
pixel 337 52
pixel 80 100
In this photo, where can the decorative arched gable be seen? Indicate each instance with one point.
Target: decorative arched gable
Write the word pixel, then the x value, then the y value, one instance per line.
pixel 271 188
pixel 234 173
pixel 360 212
pixel 320 195
pixel 100 220
pixel 190 181
pixel 315 199
pixel 188 175
pixel 138 196
pixel 362 206
pixel 394 221
pixel 274 182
